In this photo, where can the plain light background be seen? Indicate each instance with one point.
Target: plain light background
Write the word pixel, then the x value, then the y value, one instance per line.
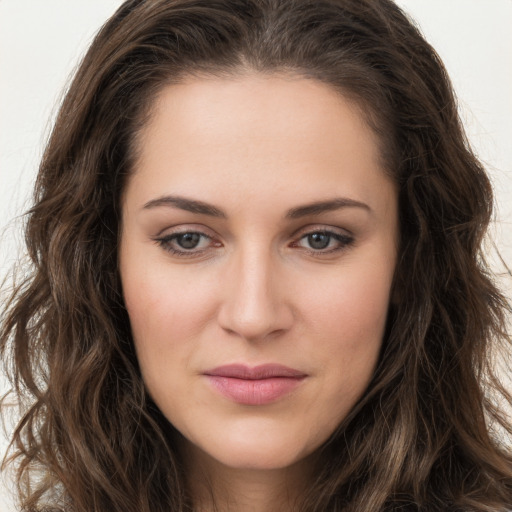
pixel 41 42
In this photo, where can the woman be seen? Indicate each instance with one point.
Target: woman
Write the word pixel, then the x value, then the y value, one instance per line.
pixel 257 279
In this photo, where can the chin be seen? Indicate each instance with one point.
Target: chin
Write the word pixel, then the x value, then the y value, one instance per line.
pixel 258 457
pixel 255 449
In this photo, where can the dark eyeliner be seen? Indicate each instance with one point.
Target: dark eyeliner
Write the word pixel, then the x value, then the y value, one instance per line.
pixel 165 242
pixel 344 240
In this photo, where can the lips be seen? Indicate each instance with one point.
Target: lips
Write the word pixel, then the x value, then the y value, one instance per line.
pixel 258 385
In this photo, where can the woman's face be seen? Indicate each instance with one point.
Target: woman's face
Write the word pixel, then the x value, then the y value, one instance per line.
pixel 258 249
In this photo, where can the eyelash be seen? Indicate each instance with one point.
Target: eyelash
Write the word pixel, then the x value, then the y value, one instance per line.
pixel 166 241
pixel 344 241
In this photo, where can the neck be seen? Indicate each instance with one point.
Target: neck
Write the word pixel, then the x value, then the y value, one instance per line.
pixel 216 487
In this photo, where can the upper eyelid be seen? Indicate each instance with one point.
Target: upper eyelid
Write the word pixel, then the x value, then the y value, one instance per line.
pixel 345 237
pixel 179 233
pixel 324 229
pixel 167 239
pixel 179 229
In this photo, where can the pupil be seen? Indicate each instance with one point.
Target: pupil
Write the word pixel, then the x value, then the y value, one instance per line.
pixel 319 240
pixel 188 240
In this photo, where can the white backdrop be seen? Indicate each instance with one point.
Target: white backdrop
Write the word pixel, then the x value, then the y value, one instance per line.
pixel 42 41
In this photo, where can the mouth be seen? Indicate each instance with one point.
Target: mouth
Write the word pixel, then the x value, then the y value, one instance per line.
pixel 258 385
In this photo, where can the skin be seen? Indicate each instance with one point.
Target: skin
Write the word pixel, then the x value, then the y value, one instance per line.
pixel 255 290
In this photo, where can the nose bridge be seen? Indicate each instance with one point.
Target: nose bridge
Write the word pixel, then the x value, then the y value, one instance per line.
pixel 253 306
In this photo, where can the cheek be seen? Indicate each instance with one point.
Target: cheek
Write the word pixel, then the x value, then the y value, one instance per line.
pixel 351 304
pixel 167 309
pixel 168 312
pixel 347 318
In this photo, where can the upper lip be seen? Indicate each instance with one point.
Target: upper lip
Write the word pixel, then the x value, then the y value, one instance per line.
pixel 264 371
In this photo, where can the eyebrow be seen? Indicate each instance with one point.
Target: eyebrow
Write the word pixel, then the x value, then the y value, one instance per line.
pixel 200 207
pixel 189 205
pixel 325 206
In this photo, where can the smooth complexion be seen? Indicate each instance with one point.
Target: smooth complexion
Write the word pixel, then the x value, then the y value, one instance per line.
pixel 259 228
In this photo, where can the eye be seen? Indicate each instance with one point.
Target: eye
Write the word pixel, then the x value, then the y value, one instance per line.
pixel 324 241
pixel 185 243
pixel 188 240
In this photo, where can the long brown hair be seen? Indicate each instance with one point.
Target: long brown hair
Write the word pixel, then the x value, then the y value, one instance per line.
pixel 430 432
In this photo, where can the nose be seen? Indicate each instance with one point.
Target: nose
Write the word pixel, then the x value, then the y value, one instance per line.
pixel 254 299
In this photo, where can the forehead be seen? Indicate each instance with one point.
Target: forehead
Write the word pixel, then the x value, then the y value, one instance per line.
pixel 255 135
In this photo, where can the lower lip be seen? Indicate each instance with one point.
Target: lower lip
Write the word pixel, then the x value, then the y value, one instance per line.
pixel 254 392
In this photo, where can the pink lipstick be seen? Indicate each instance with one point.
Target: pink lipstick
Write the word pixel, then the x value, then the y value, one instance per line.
pixel 259 385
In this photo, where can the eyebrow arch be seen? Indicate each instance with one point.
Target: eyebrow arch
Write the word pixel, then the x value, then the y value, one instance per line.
pixel 325 206
pixel 189 205
pixel 200 207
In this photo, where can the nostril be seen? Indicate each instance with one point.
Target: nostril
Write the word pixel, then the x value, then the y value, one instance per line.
pixel 255 324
